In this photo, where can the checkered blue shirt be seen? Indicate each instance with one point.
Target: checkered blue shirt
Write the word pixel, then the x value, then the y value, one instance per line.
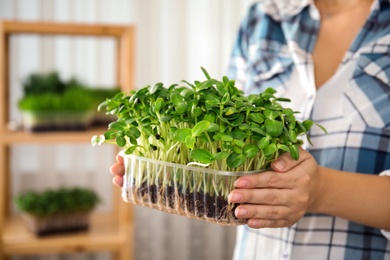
pixel 273 49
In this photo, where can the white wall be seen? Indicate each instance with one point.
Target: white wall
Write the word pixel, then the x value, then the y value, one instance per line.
pixel 174 39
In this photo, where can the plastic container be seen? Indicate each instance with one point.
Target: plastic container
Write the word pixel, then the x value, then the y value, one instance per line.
pixel 190 191
pixel 54 224
pixel 41 121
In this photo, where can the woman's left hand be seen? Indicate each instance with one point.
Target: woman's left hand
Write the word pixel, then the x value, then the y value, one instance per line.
pixel 278 198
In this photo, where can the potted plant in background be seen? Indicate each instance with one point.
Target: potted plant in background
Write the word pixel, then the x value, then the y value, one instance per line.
pixel 57 210
pixel 185 145
pixel 51 104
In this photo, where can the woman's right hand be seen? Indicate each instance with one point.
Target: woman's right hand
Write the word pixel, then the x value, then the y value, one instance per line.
pixel 118 170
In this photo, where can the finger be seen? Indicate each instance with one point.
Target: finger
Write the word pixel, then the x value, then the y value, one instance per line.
pixel 268 179
pixel 285 162
pixel 266 223
pixel 260 196
pixel 118 181
pixel 119 158
pixel 263 212
pixel 117 169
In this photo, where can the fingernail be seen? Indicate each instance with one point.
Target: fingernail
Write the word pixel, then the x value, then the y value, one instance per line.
pixel 235 197
pixel 254 223
pixel 279 165
pixel 241 183
pixel 240 212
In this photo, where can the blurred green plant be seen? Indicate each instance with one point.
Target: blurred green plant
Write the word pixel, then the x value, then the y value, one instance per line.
pixel 48 92
pixel 57 201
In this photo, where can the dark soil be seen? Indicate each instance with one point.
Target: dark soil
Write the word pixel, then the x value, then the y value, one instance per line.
pixel 65 230
pixel 194 204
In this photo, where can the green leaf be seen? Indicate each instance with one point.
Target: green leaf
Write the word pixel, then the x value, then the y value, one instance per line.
pixel 274 128
pixel 204 85
pixel 271 114
pixel 176 99
pixel 201 155
pixel 190 141
pixel 226 138
pixel 225 98
pixel 147 130
pixel 186 93
pixel 235 160
pixel 210 117
pixel 294 152
pixel 258 130
pixel 244 127
pixel 205 73
pixel 196 111
pixel 230 111
pixel 217 136
pixel 250 150
pixel 283 147
pixel 256 117
pixel 270 91
pixel 221 155
pixel 213 127
pixel 200 127
pixel 180 135
pixel 133 140
pixel 181 108
pixel 212 99
pixel 238 142
pixel 238 134
pixel 307 124
pixel 121 126
pixel 158 105
pixel 270 149
pixel 135 132
pixel 263 143
pixel 157 86
pixel 130 150
pixel 165 118
pixel 237 149
pixel 109 135
pixel 292 135
pixel 322 128
pixel 120 141
pixel 283 99
pixel 239 120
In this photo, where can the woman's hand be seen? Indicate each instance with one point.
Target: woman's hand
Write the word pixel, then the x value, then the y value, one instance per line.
pixel 118 170
pixel 278 198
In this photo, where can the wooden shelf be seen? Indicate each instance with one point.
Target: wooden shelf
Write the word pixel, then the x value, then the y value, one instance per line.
pixel 103 235
pixel 111 232
pixel 15 137
pixel 12 27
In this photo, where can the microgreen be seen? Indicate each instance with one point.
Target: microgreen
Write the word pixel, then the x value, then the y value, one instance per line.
pixel 210 123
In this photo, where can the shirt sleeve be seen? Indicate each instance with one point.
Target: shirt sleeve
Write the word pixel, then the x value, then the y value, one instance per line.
pixel 386 233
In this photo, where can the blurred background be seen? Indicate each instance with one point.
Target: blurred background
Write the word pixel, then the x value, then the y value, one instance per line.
pixel 174 38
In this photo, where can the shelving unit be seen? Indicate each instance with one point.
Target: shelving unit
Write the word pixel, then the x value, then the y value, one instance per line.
pixel 110 232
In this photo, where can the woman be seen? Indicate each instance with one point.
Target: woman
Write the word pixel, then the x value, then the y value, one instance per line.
pixel 332 59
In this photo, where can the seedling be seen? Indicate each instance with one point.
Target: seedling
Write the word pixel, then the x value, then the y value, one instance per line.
pixel 209 124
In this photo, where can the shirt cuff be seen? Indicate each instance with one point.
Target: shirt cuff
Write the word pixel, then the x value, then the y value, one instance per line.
pixel 386 233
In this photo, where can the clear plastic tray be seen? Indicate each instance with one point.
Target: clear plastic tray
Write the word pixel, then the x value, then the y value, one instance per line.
pixel 37 121
pixel 189 191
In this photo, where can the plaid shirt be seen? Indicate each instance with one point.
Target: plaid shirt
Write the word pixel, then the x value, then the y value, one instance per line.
pixel 273 49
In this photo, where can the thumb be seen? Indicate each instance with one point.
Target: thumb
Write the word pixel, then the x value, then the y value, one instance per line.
pixel 285 162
